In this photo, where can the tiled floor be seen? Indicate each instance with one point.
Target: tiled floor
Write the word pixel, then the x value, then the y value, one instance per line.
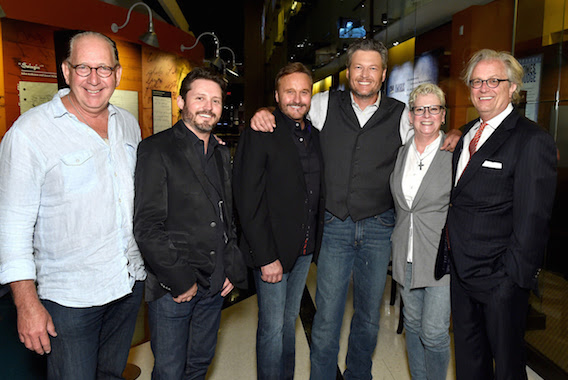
pixel 235 357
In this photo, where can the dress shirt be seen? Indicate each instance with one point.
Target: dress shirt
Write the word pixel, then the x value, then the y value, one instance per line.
pixel 66 205
pixel 312 175
pixel 318 114
pixel 209 166
pixel 412 178
pixel 487 132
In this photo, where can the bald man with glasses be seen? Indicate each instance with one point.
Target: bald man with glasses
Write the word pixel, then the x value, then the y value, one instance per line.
pixel 66 203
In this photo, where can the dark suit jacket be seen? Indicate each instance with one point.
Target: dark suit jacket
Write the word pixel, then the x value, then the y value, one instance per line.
pixel 501 207
pixel 271 196
pixel 176 224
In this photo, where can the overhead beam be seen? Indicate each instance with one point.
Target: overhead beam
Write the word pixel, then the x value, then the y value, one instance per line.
pixel 173 11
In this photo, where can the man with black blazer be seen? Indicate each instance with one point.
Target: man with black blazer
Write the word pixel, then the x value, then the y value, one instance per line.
pixel 279 196
pixel 504 175
pixel 183 224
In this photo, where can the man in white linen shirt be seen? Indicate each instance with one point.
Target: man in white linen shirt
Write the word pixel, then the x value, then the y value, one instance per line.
pixel 66 206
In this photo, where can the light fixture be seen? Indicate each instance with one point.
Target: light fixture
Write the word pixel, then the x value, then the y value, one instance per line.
pixel 215 39
pixel 217 63
pixel 233 69
pixel 150 36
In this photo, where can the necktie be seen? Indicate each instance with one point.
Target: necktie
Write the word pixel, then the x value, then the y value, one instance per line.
pixel 475 140
pixel 473 144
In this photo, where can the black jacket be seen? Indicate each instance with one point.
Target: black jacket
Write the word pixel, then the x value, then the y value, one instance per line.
pixel 501 206
pixel 271 196
pixel 176 225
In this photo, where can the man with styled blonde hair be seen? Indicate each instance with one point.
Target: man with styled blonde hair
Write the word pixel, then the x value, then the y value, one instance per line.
pixel 504 182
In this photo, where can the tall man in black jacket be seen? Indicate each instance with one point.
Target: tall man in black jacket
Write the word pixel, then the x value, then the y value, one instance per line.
pixel 504 183
pixel 279 196
pixel 183 224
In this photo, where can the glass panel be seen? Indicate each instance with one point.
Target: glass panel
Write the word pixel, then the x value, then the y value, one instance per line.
pixel 540 46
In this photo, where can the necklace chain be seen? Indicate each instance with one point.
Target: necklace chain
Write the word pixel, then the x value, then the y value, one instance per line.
pixel 420 164
pixel 76 110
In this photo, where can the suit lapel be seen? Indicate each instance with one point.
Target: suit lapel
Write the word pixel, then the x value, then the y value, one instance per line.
pixel 192 159
pixel 498 138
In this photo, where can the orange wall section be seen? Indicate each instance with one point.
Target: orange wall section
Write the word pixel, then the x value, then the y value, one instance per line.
pixel 98 16
pixel 484 26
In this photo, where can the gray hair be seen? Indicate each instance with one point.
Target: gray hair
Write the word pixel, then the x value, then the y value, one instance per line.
pixel 368 45
pixel 80 35
pixel 426 89
pixel 514 69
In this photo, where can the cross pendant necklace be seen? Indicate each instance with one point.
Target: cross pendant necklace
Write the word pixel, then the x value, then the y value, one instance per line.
pixel 421 157
pixel 420 165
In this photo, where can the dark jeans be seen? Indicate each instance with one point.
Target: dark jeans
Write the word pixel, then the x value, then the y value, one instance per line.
pixel 364 249
pixel 184 335
pixel 93 342
pixel 278 309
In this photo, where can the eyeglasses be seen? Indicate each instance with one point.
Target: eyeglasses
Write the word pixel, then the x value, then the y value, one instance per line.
pixel 85 70
pixel 491 82
pixel 434 110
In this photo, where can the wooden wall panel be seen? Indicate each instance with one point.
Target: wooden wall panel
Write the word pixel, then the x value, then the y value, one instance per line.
pixel 160 71
pixel 24 42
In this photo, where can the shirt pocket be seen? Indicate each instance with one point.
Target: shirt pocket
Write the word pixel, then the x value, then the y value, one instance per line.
pixel 79 172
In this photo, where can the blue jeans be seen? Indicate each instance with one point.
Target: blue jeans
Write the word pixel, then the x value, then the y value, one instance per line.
pixel 92 342
pixel 364 249
pixel 278 309
pixel 427 322
pixel 184 335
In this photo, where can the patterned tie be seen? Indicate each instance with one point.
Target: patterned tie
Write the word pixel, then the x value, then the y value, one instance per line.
pixel 475 140
pixel 473 145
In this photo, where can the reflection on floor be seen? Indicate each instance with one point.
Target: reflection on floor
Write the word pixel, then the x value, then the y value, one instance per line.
pixel 552 341
pixel 235 357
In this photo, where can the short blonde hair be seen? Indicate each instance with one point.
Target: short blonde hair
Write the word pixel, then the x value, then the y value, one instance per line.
pixel 514 69
pixel 426 89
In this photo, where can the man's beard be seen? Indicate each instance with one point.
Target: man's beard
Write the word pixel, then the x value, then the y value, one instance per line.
pixel 364 96
pixel 203 127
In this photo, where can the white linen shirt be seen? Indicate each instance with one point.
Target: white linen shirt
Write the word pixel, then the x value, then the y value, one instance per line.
pixel 66 206
pixel 320 102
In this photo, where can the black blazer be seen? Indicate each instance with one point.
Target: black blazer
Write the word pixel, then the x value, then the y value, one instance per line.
pixel 176 223
pixel 270 195
pixel 501 207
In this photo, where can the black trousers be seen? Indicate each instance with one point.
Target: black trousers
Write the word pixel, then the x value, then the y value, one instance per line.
pixel 490 326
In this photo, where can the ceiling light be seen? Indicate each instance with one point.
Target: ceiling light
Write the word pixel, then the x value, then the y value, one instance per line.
pixel 150 36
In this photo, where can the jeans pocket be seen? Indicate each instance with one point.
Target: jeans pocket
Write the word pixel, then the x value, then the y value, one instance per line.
pixel 329 217
pixel 387 218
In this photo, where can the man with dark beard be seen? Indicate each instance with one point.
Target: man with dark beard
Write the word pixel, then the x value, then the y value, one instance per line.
pixel 184 227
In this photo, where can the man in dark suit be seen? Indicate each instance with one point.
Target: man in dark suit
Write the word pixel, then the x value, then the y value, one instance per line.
pixel 504 172
pixel 278 189
pixel 183 224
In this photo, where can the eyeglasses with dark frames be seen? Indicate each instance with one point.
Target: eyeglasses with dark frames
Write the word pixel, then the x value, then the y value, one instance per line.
pixel 434 110
pixel 85 70
pixel 491 82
